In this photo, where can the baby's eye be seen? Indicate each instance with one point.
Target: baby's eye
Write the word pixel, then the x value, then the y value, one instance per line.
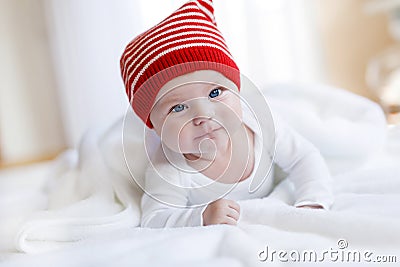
pixel 215 92
pixel 178 108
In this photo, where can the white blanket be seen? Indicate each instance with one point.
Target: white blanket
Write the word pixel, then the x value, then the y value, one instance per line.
pixel 88 213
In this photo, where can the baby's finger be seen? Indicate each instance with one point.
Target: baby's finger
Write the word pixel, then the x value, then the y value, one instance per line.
pixel 228 220
pixel 232 204
pixel 234 214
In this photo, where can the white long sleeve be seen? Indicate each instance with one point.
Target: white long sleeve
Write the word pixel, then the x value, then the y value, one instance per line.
pixel 305 167
pixel 158 215
pixel 165 202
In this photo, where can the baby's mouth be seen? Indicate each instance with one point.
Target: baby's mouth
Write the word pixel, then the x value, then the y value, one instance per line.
pixel 209 134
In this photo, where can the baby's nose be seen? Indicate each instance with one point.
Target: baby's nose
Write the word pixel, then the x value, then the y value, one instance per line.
pixel 204 112
pixel 201 120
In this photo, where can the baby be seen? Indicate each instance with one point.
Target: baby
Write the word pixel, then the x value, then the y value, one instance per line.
pixel 184 84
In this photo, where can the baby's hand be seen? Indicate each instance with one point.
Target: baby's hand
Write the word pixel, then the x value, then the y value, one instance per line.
pixel 221 211
pixel 311 207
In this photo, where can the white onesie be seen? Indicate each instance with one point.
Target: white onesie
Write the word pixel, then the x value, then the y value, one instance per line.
pixel 176 195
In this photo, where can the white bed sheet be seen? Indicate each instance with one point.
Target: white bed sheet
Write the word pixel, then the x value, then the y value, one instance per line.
pixel 365 217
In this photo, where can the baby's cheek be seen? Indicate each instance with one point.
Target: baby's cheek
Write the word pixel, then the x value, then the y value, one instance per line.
pixel 230 117
pixel 186 144
pixel 177 136
pixel 169 135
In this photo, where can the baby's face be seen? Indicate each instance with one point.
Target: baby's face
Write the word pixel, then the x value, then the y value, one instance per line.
pixel 197 117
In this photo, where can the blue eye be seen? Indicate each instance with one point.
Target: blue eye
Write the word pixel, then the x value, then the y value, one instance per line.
pixel 215 92
pixel 178 108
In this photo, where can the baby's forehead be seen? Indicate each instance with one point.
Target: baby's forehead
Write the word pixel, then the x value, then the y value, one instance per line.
pixel 189 89
pixel 202 78
pixel 182 93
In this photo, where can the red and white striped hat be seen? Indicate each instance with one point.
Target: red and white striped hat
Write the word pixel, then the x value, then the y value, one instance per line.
pixel 186 41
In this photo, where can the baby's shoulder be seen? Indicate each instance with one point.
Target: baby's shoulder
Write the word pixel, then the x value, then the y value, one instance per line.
pixel 159 160
pixel 161 166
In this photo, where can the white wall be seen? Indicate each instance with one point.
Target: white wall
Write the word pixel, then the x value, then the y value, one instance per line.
pixel 30 125
pixel 88 38
pixel 272 41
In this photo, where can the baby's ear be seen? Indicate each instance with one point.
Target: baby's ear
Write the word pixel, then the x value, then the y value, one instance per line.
pixel 207 7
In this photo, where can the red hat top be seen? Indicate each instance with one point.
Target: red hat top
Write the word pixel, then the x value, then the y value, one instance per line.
pixel 186 41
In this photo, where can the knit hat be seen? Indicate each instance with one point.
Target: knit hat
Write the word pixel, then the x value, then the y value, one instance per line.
pixel 186 41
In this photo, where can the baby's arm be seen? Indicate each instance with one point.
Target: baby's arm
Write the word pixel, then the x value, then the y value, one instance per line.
pixel 164 201
pixel 163 205
pixel 305 167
